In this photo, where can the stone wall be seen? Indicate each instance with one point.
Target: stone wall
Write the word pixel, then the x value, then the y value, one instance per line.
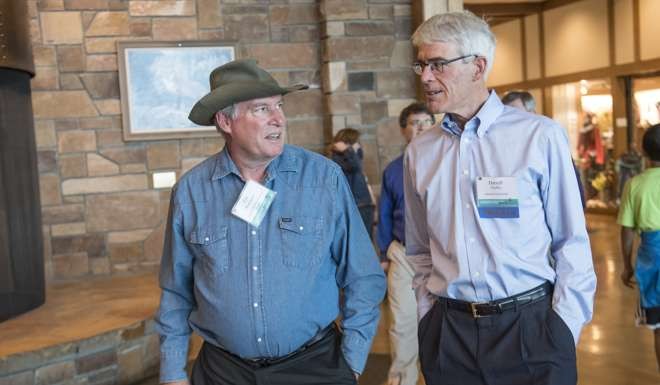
pixel 101 214
pixel 367 79
pixel 121 357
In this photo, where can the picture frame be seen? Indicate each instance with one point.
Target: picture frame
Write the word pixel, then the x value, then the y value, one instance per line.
pixel 159 82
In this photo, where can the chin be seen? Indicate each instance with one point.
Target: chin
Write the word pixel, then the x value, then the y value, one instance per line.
pixel 436 107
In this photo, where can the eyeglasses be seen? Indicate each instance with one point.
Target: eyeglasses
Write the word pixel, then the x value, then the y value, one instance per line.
pixel 421 123
pixel 437 65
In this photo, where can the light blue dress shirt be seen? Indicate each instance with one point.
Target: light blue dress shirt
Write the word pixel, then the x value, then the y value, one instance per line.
pixel 459 255
pixel 264 292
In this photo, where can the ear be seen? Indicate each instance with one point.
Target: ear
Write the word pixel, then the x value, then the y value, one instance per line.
pixel 222 123
pixel 480 64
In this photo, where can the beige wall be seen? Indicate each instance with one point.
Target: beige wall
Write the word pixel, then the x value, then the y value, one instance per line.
pixel 649 11
pixel 533 46
pixel 508 54
pixel 576 37
pixel 623 32
pixel 100 213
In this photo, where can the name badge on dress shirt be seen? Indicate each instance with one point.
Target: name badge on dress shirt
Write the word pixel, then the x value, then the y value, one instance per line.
pixel 497 197
pixel 253 202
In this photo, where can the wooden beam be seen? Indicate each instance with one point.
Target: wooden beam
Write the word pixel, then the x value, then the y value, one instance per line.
pixel 636 32
pixel 643 68
pixel 611 28
pixel 504 9
pixel 523 46
pixel 493 21
pixel 550 4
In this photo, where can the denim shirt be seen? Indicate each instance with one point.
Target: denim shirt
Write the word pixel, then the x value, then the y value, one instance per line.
pixel 263 292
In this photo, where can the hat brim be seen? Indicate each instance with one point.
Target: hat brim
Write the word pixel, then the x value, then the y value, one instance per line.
pixel 204 110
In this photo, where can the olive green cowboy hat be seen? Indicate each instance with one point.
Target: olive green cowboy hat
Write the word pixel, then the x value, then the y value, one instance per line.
pixel 236 81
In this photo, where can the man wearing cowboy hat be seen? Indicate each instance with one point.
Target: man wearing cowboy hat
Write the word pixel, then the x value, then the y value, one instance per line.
pixel 260 240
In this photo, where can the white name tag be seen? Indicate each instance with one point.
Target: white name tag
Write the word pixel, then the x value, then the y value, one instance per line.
pixel 497 197
pixel 253 203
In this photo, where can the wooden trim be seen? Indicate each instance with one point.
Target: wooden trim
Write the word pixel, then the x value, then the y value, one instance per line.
pixel 550 4
pixel 637 69
pixel 611 24
pixel 523 43
pixel 547 101
pixel 637 32
pixel 504 9
pixel 542 44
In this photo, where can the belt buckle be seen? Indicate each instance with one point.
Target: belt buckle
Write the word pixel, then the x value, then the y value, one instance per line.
pixel 475 312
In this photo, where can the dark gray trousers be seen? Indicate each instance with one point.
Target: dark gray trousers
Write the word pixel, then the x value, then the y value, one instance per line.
pixel 322 363
pixel 528 346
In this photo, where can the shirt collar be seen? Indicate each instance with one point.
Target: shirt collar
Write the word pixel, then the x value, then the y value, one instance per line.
pixel 481 121
pixel 287 161
pixel 224 165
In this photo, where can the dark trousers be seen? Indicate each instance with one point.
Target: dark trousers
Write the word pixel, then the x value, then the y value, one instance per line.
pixel 528 346
pixel 321 363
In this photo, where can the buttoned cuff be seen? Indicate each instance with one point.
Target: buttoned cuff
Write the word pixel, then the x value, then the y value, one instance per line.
pixel 355 351
pixel 574 325
pixel 173 365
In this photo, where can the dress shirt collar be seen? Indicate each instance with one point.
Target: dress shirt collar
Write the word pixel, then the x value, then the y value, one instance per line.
pixel 480 122
pixel 286 161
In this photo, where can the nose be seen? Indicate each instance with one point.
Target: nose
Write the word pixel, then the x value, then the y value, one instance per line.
pixel 277 117
pixel 427 74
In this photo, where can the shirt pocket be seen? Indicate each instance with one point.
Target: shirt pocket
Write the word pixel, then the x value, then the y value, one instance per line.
pixel 212 246
pixel 301 241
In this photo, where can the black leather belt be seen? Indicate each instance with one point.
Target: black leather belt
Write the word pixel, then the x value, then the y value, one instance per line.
pixel 485 309
pixel 264 362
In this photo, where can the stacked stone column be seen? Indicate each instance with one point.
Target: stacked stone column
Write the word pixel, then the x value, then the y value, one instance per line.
pixel 366 75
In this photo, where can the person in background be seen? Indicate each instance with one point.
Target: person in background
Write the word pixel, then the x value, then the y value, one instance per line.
pixel 504 276
pixel 591 152
pixel 413 120
pixel 261 239
pixel 524 101
pixel 521 100
pixel 640 212
pixel 346 151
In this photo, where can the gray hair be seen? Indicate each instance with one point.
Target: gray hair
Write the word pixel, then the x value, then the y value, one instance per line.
pixel 469 33
pixel 231 112
pixel 525 97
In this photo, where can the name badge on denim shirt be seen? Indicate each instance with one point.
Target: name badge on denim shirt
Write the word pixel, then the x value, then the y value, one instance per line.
pixel 253 202
pixel 497 197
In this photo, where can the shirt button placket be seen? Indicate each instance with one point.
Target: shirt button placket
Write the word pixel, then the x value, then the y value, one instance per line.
pixel 254 250
pixel 469 220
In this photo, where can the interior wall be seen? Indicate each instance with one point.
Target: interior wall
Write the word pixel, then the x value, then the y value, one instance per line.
pixel 533 46
pixel 101 214
pixel 624 41
pixel 649 27
pixel 508 54
pixel 576 37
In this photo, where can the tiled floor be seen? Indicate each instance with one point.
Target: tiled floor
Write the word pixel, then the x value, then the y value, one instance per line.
pixel 612 350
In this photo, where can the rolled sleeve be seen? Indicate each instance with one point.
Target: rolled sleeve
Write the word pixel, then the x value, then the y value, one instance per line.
pixel 575 283
pixel 176 301
pixel 360 277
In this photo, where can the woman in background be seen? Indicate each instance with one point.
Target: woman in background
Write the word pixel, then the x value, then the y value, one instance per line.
pixel 346 151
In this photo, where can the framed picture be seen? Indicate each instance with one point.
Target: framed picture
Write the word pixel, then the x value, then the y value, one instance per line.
pixel 159 84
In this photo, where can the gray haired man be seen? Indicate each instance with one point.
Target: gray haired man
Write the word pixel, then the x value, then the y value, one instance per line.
pixel 494 227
